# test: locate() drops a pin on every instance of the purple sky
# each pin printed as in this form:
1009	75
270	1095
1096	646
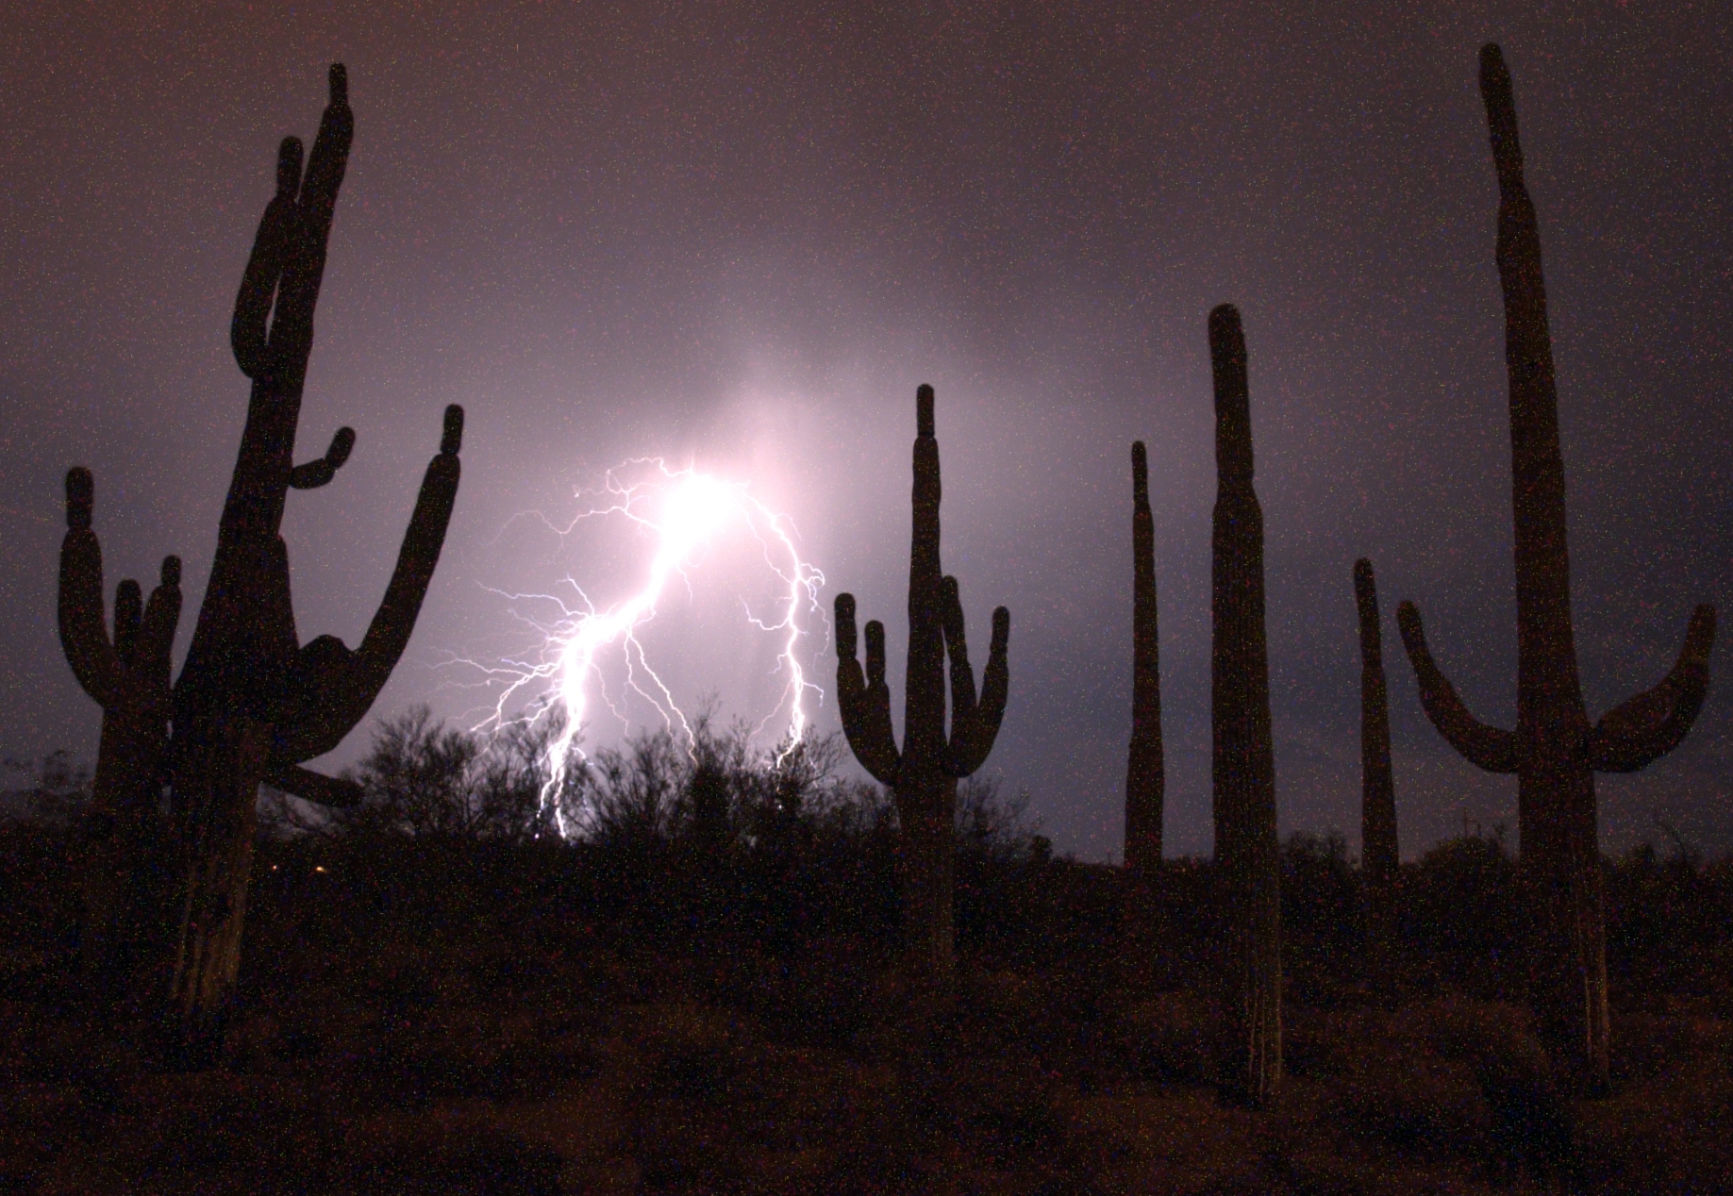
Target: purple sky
742	234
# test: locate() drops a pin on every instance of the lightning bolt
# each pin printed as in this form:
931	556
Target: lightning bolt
683	511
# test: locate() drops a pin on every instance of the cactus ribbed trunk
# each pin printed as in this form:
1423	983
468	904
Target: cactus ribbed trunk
1380	861
1243	756
922	788
923	775
218	785
1554	751
1145	778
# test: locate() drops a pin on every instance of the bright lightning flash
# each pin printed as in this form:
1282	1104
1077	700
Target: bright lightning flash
684	512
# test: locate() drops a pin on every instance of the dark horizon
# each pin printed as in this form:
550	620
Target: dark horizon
744	239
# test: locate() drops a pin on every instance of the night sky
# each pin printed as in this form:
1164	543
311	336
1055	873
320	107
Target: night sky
741	235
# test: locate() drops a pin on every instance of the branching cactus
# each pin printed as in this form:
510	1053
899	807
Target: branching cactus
923	775
251	703
1145	779
1379	860
128	676
1243	758
1554	751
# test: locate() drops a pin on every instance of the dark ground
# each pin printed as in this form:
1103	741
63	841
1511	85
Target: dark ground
460	1016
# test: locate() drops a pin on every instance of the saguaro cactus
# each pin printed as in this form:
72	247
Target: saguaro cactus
1554	751
1379	861
251	703
1145	780
128	676
923	775
1243	758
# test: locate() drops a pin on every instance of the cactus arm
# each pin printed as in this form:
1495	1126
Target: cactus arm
996	680
864	699
330	156
1634	735
974	721
1482	745
335	685
968	755
963	696
291	336
247	330
152	662
334	792
321	470
83	630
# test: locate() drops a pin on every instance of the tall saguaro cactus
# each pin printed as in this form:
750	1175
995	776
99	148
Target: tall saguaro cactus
1554	751
1243	757
923	775
128	676
1145	779
252	704
1379	859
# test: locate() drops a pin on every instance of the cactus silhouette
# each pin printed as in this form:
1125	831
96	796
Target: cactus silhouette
1379	858
128	676
251	704
1144	778
1243	756
1554	751
923	775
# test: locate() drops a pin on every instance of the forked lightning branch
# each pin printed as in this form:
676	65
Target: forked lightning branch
592	661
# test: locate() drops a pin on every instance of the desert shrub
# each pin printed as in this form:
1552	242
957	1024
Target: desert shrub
991	825
424	779
1452	1078
1668	921
1461	897
1321	917
1167	1038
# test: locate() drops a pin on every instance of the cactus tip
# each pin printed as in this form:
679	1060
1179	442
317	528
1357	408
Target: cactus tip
452	441
1362	574
1702	628
1499	98
1224	329
1408	623
171	571
342	444
1139	457
339	85
1495	88
924	411
845	626
1001	624
80	494
1492	65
